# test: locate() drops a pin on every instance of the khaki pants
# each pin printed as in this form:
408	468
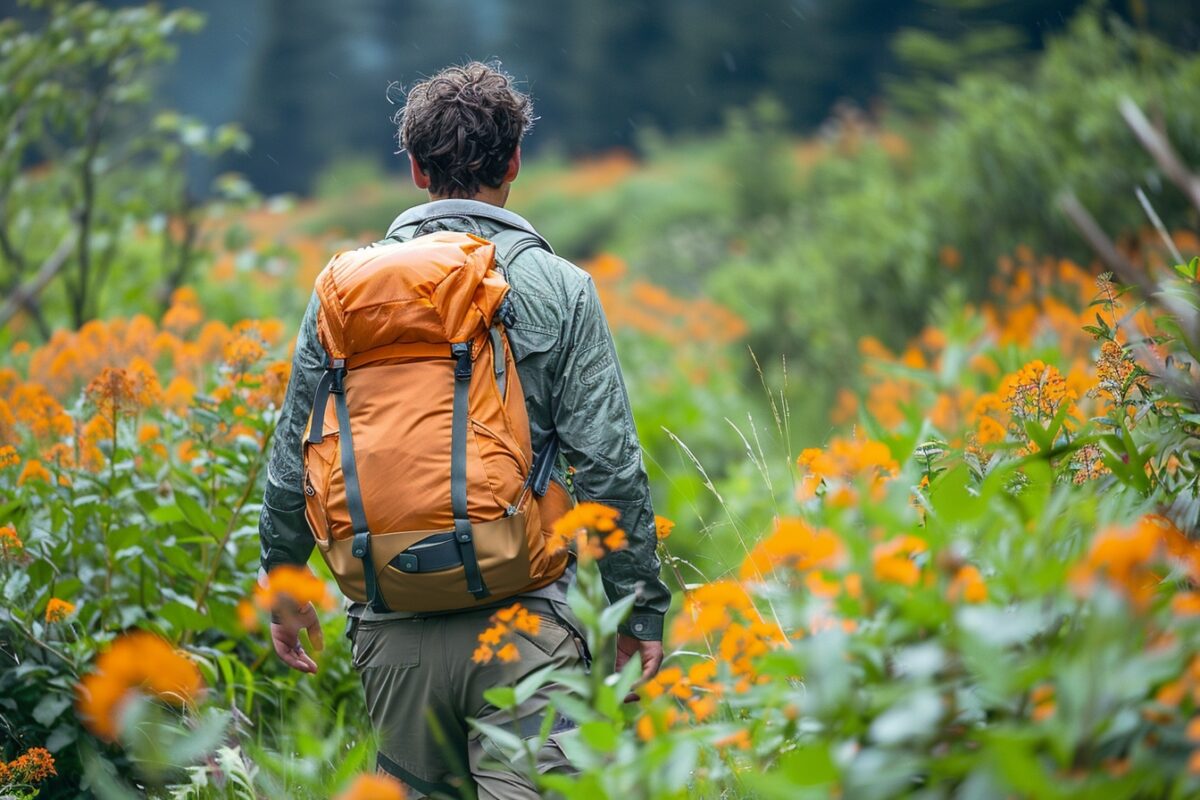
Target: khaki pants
421	687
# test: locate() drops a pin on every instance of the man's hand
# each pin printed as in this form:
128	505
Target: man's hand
285	635
652	658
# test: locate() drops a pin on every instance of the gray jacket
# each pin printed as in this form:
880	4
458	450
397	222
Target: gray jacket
573	388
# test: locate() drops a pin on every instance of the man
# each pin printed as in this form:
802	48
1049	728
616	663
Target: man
462	130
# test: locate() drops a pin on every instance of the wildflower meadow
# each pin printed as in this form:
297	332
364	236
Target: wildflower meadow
931	520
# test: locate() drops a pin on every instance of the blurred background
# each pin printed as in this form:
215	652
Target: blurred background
763	190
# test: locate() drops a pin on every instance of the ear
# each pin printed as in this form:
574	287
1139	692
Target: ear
514	166
419	178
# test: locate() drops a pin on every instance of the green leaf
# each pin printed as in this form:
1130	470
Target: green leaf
196	516
15	586
600	735
502	697
50	707
612	617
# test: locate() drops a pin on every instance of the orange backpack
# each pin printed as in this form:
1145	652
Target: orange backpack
421	486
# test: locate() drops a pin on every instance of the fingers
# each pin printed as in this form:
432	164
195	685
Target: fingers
316	636
290	651
652	658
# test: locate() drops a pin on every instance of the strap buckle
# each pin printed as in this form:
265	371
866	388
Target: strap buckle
462	351
507	315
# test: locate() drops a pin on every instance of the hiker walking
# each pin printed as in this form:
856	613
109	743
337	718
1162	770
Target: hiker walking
443	381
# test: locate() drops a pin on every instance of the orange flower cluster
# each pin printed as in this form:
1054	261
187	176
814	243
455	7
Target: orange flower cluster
33	766
34	472
116	363
1133	559
794	544
724	609
138	662
697	691
1177	691
663	527
288	586
373	787
496	641
10	543
841	467
1035	392
57	610
9	457
1043	702
967	586
651	310
892	560
591	528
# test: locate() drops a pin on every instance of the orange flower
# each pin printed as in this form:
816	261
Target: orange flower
663	527
795	544
373	787
8	457
247	615
843	464
1043	702
33	766
1186	604
504	623
292	586
10	543
739	739
892	560
138	662
33	471
1128	558
243	351
58	610
591	527
114	392
179	393
968	586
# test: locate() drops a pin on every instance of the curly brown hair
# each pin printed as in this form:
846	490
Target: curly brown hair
462	126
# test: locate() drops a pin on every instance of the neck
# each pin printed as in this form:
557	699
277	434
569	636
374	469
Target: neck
486	194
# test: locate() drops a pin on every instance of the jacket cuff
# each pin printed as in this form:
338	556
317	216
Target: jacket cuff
644	625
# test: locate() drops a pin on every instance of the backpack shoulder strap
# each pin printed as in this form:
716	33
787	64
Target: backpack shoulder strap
511	242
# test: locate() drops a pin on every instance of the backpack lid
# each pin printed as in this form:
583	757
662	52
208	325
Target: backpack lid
438	288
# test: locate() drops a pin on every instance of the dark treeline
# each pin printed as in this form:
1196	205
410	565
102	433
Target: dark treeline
310	79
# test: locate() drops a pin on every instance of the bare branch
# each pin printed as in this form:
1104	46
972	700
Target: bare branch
1160	150
24	295
1103	247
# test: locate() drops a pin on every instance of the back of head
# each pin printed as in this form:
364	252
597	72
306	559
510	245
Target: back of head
462	126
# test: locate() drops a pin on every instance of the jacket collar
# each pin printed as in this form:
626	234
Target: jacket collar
441	209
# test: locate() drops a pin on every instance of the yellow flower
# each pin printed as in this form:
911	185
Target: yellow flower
58	610
138	662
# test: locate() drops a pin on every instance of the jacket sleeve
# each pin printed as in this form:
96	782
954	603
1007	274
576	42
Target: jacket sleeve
282	529
595	427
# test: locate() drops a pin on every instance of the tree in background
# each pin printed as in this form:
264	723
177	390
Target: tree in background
87	184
